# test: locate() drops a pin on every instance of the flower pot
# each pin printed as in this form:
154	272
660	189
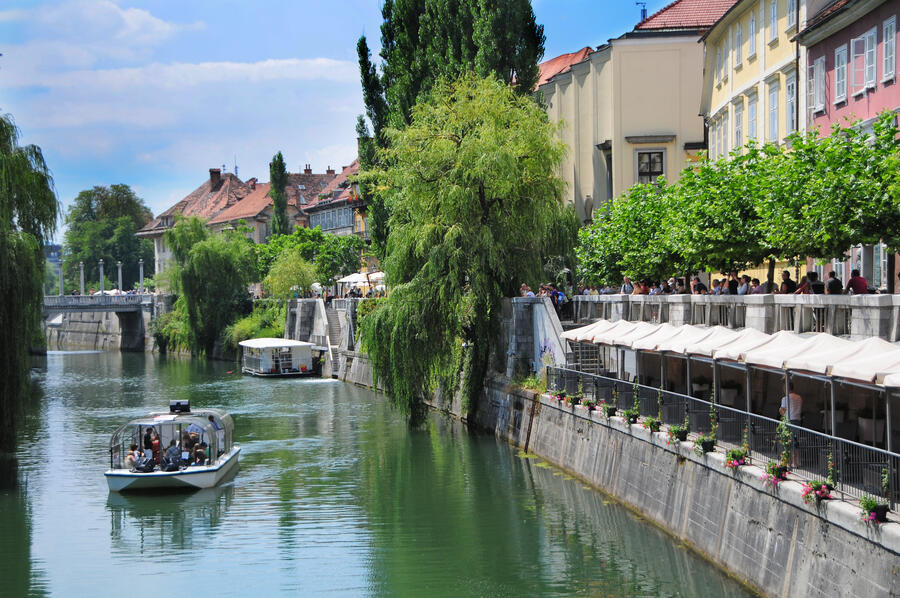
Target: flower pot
708	446
880	512
610	411
632	419
654	427
681	435
781	472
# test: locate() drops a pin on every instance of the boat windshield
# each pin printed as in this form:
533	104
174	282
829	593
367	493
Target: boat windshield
172	440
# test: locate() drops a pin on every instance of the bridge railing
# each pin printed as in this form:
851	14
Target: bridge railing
69	301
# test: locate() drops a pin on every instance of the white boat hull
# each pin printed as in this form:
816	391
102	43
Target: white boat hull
190	478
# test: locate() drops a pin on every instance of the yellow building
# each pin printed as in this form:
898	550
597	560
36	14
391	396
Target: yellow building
754	84
630	106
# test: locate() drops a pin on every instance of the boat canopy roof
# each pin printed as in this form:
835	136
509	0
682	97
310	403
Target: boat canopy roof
871	360
273	343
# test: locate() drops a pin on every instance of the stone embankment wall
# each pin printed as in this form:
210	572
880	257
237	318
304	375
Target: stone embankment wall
105	330
769	538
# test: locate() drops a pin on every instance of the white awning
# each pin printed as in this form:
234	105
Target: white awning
690	337
355	278
785	346
662	333
737	350
892	380
822	361
584	333
272	343
624	338
873	365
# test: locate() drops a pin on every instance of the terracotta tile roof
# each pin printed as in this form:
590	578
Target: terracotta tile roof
301	189
328	195
686	14
828	11
560	64
217	193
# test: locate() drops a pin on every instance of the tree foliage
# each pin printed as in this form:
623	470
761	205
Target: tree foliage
334	256
289	275
28	213
423	41
278	179
816	196
473	192
212	273
102	223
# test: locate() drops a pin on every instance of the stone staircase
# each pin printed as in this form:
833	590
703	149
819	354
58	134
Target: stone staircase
334	335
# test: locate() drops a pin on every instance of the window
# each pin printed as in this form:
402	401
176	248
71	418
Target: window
738	45
726	61
751	118
650	166
773	20
889	49
751	51
817	85
719	64
738	124
840	74
790	105
863	49
791	13
713	150
773	113
725	134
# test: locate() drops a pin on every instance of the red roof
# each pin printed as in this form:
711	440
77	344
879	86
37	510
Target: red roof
686	14
217	193
337	190
830	10
301	189
560	64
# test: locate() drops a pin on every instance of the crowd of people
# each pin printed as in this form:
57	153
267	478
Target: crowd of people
732	284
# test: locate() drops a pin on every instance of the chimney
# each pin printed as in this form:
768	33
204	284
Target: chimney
329	171
215	177
252	184
307	170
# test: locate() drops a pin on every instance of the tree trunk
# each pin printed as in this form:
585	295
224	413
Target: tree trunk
770	279
892	276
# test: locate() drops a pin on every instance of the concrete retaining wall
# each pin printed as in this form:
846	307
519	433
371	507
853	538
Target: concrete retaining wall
99	330
770	539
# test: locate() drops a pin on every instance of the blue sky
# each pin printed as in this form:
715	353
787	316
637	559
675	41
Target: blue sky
153	94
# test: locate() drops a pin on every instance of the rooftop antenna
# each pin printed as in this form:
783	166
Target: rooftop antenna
643	6
224	170
235	166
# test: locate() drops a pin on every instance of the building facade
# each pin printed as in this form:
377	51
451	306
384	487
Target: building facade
851	61
754	76
339	209
630	107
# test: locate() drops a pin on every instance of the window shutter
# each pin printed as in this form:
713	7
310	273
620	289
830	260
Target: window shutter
858	51
889	39
871	40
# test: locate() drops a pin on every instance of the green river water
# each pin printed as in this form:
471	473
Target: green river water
336	496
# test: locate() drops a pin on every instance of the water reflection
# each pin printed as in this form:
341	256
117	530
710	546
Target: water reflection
335	494
167	522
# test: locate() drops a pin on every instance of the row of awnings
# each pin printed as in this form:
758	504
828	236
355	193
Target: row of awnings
872	360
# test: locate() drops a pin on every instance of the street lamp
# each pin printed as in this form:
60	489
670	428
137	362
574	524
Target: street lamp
141	265
101	276
59	268
119	265
81	268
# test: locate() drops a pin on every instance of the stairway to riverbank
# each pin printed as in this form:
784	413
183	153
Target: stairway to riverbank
334	336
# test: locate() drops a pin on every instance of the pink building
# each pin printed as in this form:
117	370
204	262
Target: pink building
852	65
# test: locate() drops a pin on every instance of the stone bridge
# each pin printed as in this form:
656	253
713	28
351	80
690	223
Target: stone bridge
103	322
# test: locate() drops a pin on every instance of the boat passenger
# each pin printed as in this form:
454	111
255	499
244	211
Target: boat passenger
148	442
173	453
131	459
200	454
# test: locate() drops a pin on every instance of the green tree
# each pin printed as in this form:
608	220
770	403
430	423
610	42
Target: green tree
278	182
473	190
289	274
426	40
213	273
28	213
333	255
102	223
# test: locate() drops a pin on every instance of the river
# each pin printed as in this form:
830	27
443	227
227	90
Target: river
336	496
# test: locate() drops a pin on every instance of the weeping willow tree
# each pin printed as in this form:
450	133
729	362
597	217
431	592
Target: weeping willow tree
474	196
28	213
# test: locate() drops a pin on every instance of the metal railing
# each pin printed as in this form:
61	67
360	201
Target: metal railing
95	300
859	469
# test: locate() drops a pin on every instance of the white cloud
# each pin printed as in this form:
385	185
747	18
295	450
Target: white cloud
9	16
178	75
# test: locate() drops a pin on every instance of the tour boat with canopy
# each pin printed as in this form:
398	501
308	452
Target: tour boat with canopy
276	357
179	449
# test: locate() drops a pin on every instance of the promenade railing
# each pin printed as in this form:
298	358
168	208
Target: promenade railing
62	301
858	469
